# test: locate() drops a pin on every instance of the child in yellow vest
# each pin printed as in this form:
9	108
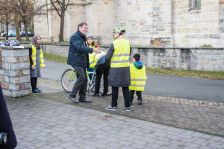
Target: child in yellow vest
138	78
37	63
97	61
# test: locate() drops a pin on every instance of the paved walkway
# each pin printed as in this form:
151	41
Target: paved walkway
158	85
202	116
46	124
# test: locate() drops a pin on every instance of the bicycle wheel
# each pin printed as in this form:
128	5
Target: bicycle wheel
68	80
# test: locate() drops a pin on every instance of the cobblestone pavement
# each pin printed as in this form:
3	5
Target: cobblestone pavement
202	116
46	124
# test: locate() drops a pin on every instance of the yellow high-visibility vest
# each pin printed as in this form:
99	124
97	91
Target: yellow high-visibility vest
138	78
92	63
121	53
34	57
92	58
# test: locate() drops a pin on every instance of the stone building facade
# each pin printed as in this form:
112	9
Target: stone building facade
169	23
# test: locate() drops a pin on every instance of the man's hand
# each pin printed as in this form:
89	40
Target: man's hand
95	50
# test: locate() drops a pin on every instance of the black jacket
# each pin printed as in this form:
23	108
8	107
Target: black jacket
6	124
78	51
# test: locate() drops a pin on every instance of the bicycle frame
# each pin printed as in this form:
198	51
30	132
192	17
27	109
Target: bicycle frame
91	80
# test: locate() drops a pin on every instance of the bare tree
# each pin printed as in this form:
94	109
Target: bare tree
25	10
60	6
6	14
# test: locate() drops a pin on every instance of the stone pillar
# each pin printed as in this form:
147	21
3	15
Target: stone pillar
15	72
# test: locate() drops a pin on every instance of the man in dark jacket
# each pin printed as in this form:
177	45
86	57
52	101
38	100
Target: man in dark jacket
78	58
6	124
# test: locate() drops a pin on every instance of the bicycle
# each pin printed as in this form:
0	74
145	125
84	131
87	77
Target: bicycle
69	78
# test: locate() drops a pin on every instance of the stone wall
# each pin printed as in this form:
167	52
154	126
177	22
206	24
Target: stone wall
186	58
221	18
170	21
61	50
15	72
196	27
101	19
47	24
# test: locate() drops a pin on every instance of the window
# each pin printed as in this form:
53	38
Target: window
194	5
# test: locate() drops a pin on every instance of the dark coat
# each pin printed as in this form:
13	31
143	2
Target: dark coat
6	124
118	77
78	51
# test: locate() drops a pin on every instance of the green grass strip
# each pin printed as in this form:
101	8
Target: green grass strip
56	58
213	75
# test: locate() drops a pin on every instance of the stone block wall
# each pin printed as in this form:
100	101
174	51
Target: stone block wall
101	19
186	59
170	21
47	24
194	28
221	16
207	59
61	50
15	72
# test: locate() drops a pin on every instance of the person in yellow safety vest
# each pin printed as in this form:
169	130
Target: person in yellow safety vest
91	44
37	62
97	61
119	76
138	78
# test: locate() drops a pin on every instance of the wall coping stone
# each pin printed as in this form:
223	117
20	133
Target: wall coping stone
141	47
15	47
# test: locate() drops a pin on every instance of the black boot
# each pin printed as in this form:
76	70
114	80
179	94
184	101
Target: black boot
139	101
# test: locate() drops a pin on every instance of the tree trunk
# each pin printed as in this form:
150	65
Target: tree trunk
61	34
7	30
17	28
26	29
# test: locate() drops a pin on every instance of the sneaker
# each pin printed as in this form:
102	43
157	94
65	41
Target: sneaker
73	99
139	102
35	91
85	100
128	109
110	108
39	90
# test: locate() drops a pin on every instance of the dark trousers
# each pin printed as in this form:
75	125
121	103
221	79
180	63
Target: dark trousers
33	83
138	93
6	124
126	96
102	69
81	83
